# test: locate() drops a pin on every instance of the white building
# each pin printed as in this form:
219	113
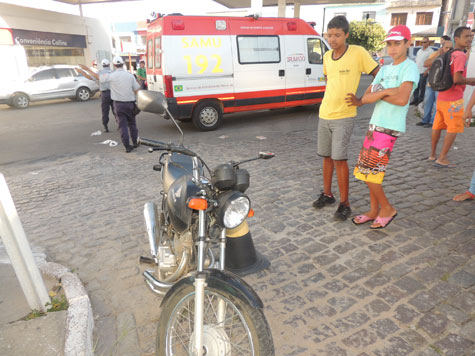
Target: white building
55	38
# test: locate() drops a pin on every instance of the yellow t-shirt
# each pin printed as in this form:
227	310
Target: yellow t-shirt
343	77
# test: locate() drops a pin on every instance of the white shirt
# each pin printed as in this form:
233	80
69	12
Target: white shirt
123	84
421	57
104	85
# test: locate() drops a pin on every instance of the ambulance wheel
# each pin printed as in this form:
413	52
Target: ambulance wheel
20	101
207	116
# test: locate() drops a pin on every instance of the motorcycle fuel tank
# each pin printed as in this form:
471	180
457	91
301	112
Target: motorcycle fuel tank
175	166
179	192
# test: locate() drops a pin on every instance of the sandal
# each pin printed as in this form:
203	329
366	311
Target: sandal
362	219
383	222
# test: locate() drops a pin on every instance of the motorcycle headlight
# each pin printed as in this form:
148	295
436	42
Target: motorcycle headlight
233	209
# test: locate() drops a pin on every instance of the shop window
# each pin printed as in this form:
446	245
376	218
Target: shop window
398	19
258	49
424	18
315	52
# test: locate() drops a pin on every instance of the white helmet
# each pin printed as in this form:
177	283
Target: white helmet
117	60
105	63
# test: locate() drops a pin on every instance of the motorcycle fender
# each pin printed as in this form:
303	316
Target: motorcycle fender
222	280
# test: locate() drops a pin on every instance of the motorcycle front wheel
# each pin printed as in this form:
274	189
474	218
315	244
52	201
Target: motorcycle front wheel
239	329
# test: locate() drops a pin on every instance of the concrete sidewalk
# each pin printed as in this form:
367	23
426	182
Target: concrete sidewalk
333	288
42	336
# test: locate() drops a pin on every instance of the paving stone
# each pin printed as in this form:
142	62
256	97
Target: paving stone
384	327
335	286
454	345
395	346
408	284
433	324
322	333
464	301
463	279
341	303
468	331
336	269
391	294
356	275
320	311
444	290
360	339
405	314
359	292
453	314
325	259
350	322
424	301
376	281
376	307
414	338
397	271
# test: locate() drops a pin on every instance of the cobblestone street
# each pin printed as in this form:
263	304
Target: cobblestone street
332	289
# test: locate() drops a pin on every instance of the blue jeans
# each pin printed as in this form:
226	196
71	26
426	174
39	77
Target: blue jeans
472	184
429	105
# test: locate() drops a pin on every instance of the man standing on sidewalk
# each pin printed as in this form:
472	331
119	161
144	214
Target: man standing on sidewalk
449	114
421	57
342	67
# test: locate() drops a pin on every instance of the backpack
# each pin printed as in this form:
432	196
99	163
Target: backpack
440	77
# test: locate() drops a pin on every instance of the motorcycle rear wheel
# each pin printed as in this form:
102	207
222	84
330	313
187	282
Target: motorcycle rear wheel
245	330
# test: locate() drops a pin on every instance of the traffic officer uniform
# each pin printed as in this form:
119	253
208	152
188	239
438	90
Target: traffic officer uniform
123	86
106	100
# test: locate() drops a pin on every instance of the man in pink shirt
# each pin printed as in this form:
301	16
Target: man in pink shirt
449	111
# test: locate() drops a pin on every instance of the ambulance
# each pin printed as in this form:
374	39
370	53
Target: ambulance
207	66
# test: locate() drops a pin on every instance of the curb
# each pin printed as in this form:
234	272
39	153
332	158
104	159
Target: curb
79	320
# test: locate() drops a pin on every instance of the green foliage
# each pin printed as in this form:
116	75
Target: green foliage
34	314
368	34
57	304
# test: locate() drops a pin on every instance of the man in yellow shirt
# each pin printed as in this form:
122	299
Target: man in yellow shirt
342	67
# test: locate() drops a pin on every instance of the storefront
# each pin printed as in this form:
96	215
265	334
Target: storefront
43	48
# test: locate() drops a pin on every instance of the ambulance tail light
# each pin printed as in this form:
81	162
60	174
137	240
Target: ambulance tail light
168	85
292	26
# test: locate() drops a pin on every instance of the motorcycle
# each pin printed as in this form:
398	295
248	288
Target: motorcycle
206	309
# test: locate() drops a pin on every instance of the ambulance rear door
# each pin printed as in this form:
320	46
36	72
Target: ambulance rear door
314	78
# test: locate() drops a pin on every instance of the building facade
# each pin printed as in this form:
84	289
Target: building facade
129	41
55	38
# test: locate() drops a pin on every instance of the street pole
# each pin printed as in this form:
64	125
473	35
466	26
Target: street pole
19	251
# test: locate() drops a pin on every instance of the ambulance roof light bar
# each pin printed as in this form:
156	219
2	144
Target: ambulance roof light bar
292	26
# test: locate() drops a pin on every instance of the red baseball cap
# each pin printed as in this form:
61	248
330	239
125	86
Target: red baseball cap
398	33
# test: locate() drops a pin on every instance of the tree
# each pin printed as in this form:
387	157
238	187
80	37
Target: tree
368	34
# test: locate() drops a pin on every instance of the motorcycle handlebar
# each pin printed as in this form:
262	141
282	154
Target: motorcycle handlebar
161	146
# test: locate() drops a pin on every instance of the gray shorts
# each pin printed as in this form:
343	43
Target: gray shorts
334	138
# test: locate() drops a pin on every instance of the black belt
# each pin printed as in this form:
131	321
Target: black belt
125	102
105	90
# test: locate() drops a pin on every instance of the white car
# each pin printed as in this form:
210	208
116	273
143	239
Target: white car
45	83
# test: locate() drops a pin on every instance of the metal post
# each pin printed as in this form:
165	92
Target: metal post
282	4
19	251
297	9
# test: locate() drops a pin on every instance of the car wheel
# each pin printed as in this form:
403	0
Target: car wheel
207	116
20	101
83	94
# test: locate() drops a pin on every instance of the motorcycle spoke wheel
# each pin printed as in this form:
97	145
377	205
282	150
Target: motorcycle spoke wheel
236	330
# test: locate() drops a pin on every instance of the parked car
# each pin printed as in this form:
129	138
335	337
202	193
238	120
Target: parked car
45	83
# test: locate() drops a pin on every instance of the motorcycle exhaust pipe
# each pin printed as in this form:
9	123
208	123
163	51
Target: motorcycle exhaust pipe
155	285
150	214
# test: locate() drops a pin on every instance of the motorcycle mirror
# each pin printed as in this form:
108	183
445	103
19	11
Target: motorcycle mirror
266	155
152	101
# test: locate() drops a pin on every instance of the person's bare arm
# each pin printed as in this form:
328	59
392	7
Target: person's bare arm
369	97
401	96
467	114
352	100
88	73
460	79
428	62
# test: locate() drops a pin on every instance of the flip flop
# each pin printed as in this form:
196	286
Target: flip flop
384	222
440	165
431	159
362	219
